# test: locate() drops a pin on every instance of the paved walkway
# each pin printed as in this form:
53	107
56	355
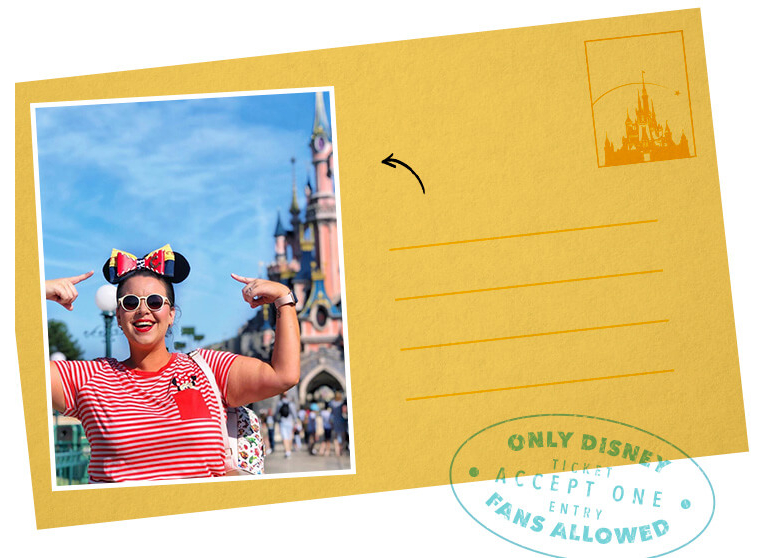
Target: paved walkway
301	461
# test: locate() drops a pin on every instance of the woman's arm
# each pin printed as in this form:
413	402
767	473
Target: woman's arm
57	389
250	379
64	292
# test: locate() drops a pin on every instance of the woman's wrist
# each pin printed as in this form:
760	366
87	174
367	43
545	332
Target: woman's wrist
287	299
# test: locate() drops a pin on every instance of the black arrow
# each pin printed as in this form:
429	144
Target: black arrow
389	161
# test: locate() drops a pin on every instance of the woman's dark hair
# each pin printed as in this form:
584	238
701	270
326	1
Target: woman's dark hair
147	273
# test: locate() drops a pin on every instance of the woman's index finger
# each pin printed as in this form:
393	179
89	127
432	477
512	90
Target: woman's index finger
240	278
77	278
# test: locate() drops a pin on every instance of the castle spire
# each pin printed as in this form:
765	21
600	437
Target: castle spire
295	202
321	206
279	229
645	95
320	127
280	238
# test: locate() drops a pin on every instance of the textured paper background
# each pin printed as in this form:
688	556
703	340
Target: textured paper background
498	126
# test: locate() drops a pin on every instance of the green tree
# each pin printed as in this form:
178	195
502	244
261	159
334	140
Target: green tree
60	340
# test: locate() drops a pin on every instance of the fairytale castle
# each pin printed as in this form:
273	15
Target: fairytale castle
307	260
645	139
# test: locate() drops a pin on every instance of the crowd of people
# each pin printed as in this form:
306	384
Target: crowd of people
318	426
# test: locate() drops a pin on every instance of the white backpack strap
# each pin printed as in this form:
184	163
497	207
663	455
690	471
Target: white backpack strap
200	361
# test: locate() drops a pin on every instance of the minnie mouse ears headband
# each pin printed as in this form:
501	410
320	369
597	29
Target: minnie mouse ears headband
163	261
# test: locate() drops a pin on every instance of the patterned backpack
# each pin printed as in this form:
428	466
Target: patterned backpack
241	432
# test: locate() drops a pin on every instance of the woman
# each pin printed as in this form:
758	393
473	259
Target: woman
310	428
325	415
270	421
287	417
339	426
154	415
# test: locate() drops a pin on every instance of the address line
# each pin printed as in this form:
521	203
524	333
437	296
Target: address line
520	235
559	281
539	385
540	334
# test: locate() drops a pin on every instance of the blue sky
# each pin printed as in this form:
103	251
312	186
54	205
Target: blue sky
207	176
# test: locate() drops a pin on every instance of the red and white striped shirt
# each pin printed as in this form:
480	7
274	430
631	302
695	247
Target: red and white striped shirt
149	425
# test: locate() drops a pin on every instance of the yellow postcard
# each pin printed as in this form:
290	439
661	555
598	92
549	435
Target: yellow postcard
530	226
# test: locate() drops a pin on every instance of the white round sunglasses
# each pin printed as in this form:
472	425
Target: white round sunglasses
154	302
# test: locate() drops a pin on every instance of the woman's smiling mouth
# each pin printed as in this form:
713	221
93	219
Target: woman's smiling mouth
142	326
